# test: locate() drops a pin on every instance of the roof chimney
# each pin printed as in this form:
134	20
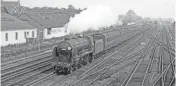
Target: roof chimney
19	3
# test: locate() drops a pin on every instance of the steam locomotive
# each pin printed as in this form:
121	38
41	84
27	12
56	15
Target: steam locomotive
73	53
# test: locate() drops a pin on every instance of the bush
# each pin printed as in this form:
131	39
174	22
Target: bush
17	49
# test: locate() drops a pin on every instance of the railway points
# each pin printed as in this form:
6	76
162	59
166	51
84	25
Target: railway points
107	53
88	44
145	57
83	74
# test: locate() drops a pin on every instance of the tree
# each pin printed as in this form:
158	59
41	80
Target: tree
71	7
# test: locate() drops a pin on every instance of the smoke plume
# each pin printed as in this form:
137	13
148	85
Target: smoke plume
92	18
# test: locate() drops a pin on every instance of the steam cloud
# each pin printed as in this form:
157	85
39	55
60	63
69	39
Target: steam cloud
92	18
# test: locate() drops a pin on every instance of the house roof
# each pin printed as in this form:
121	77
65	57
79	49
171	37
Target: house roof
44	9
9	22
10	3
3	10
49	19
12	6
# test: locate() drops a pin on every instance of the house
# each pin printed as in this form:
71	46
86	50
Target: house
15	31
13	7
48	23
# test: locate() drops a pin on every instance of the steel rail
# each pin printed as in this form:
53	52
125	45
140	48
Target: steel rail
164	46
117	61
129	76
28	61
27	77
41	79
149	64
82	76
24	71
172	81
15	71
162	61
163	73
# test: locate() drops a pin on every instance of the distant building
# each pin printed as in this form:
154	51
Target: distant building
15	31
48	23
13	7
129	18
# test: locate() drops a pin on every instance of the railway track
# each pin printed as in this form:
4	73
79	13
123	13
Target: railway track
41	75
27	78
24	71
167	59
99	68
171	33
20	68
21	62
164	46
164	63
85	73
171	38
127	58
140	65
171	57
151	62
165	71
50	74
163	76
137	74
49	80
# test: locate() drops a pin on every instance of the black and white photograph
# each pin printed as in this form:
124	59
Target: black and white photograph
88	42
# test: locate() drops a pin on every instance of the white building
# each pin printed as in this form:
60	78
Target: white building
15	31
54	32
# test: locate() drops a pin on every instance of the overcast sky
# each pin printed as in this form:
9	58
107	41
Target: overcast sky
144	8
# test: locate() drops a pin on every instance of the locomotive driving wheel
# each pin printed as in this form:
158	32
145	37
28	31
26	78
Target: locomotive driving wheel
71	70
85	60
79	66
57	72
54	67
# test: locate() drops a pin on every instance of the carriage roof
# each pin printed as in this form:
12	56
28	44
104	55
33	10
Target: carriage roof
107	34
110	33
